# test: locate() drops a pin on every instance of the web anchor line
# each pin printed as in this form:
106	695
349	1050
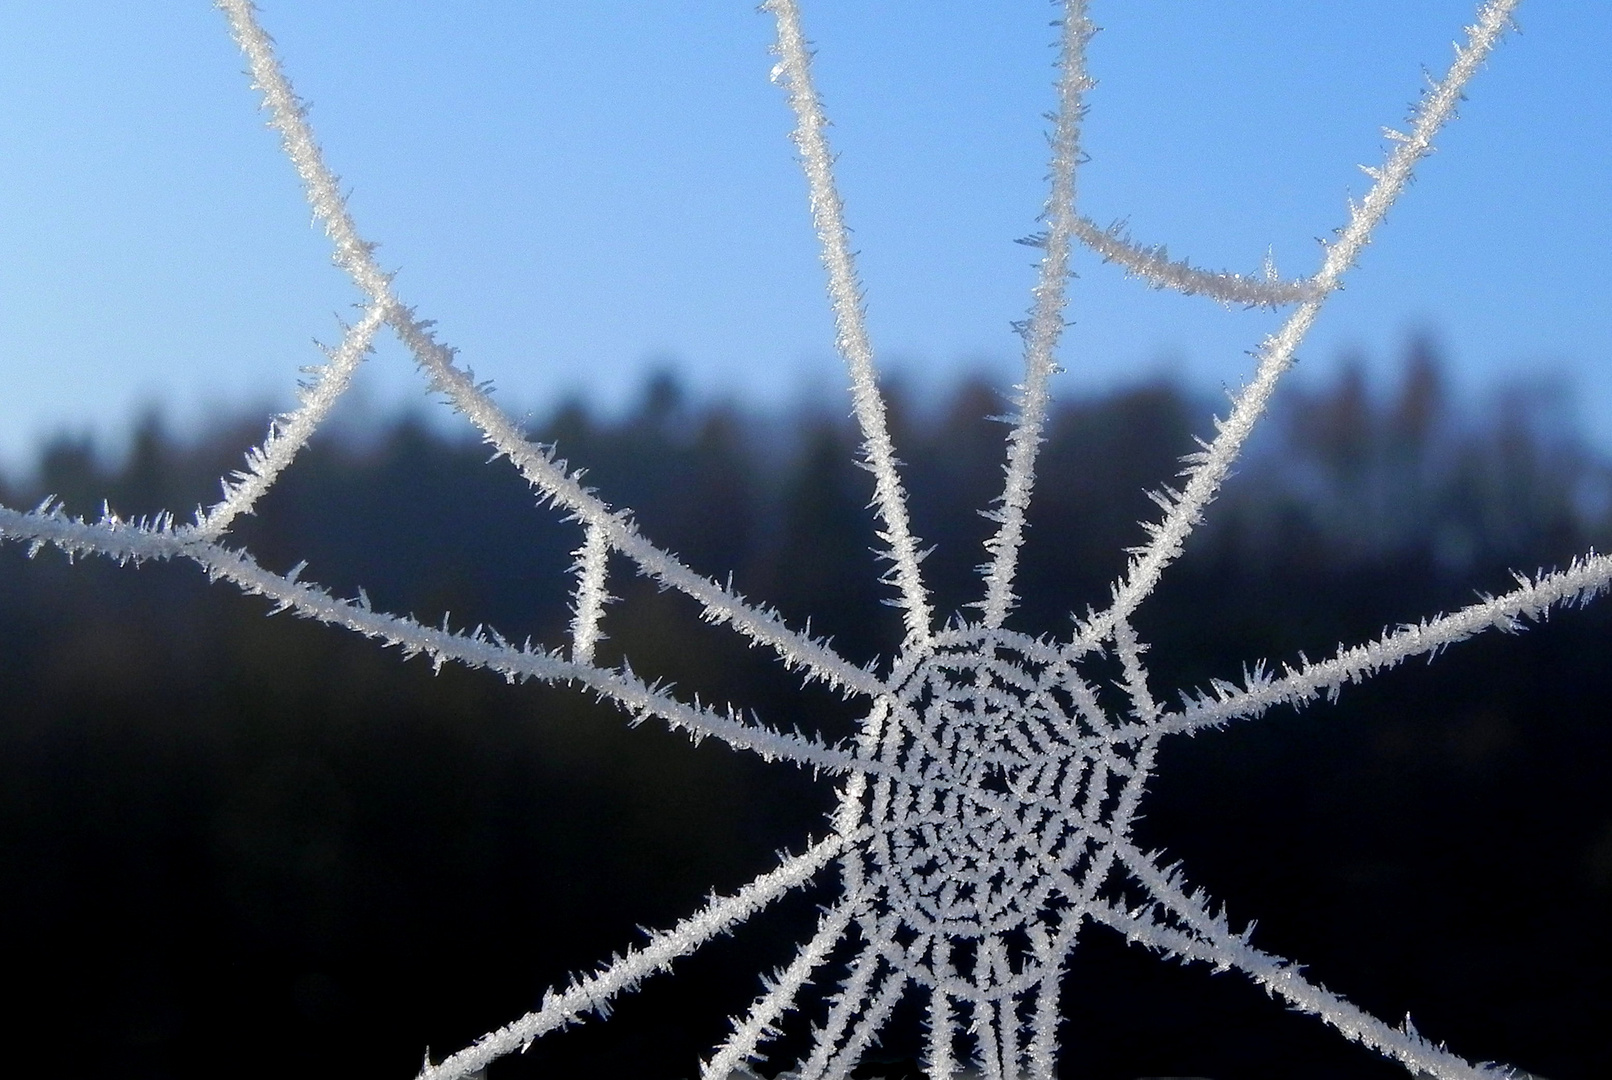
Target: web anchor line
1207	470
1154	266
138	542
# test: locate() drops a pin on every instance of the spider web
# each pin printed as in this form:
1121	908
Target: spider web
985	806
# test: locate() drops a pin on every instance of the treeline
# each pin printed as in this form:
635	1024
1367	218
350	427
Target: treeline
234	844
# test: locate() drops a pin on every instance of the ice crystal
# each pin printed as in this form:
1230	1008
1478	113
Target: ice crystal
986	806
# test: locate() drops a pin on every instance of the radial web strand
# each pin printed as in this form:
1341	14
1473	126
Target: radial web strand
1209	938
290	433
592	993
1584	579
782	992
1045	324
845	1004
845	293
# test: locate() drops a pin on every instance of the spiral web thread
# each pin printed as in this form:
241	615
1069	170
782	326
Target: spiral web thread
985	807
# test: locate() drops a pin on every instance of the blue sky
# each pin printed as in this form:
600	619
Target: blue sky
581	192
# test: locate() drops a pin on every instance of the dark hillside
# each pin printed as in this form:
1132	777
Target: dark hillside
248	846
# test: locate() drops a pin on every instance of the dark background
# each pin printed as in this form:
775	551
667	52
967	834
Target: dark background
238	845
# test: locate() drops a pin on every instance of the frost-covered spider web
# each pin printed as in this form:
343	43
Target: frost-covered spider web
986	805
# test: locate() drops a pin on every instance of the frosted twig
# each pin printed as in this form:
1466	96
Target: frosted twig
740	1048
592	993
1154	265
593	559
1046	320
288	434
793	72
355	256
1584	579
1207	470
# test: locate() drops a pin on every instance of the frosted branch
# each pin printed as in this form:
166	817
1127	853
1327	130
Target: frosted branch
355	256
793	72
593	993
1046	320
1154	266
290	433
1261	691
1207	470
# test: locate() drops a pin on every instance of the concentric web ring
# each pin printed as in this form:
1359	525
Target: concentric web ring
1014	782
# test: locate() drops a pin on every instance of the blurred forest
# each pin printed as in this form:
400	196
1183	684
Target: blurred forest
248	846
